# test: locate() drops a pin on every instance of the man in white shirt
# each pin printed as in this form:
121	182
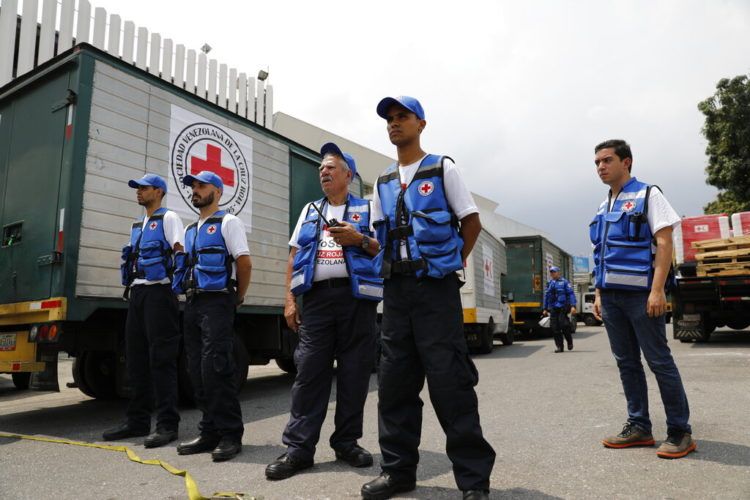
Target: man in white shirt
417	205
214	274
331	270
152	335
632	238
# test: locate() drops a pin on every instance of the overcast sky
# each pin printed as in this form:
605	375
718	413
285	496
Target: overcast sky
518	93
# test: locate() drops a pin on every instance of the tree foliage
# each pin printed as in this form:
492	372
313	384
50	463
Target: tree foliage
727	130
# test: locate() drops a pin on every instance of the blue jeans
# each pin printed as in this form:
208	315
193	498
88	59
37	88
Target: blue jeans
631	331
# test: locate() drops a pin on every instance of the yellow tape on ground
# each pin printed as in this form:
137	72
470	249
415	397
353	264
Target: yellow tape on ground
190	486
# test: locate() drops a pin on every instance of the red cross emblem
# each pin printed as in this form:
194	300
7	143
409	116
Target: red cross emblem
211	229
153	225
628	206
356	217
212	163
426	188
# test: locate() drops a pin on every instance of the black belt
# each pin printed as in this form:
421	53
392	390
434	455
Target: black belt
331	283
407	267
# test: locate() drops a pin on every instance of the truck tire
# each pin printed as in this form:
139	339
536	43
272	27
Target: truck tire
486	335
94	373
508	337
590	320
738	324
21	380
287	364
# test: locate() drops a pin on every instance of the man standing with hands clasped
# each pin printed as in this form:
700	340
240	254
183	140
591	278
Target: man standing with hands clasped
417	205
331	269
214	273
632	238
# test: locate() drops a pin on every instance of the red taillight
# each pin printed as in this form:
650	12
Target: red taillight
43	333
51	304
53	331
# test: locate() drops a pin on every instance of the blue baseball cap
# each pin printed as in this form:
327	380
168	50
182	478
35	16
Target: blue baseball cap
149	180
332	149
206	177
554	269
405	101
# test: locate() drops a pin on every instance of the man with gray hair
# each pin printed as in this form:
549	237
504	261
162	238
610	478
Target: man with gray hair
331	270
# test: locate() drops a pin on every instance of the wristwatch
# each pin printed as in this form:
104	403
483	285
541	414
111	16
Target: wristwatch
365	242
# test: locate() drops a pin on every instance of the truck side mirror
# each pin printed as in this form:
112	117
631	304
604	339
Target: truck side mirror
506	297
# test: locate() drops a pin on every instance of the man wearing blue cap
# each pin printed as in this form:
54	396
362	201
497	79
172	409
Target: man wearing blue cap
417	205
331	270
152	334
559	303
214	274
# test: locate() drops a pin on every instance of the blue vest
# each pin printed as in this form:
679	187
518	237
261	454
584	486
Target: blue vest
559	294
149	254
420	215
363	274
206	265
622	240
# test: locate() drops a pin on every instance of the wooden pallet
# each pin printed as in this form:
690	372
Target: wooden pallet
723	269
725	251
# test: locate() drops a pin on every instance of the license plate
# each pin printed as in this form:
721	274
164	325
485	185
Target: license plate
7	341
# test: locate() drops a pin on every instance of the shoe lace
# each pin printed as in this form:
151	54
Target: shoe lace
627	430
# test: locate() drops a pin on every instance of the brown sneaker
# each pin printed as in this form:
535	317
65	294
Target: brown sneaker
677	445
631	435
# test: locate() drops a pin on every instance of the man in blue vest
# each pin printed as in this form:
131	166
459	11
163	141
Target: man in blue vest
417	205
331	269
214	274
632	238
559	303
152	334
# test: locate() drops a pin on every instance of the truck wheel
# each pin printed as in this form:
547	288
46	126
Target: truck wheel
738	324
94	372
21	380
590	320
486	334
508	337
287	364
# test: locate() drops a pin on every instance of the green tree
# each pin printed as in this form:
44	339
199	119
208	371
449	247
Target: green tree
727	129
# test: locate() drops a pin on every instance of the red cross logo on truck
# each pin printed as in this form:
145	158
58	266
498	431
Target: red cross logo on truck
426	188
628	206
212	163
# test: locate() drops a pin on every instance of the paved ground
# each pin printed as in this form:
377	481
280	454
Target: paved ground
544	413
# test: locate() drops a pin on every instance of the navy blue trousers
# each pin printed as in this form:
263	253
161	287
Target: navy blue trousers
335	326
423	337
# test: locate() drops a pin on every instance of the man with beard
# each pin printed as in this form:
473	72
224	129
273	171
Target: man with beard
331	269
152	334
214	273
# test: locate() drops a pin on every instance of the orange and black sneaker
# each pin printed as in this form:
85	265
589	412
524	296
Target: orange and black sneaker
631	435
677	445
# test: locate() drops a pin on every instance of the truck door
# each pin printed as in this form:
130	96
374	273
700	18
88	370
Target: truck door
31	144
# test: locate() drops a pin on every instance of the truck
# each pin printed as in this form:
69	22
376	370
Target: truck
713	291
485	308
529	258
73	131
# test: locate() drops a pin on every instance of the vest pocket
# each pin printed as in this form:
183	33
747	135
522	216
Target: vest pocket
180	267
431	227
437	249
308	232
370	289
151	250
126	264
635	277
594	229
211	277
213	256
301	280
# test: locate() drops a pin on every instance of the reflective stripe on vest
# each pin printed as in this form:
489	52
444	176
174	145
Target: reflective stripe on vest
363	274
420	215
622	239
209	265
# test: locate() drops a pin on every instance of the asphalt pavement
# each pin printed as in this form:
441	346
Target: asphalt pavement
544	413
